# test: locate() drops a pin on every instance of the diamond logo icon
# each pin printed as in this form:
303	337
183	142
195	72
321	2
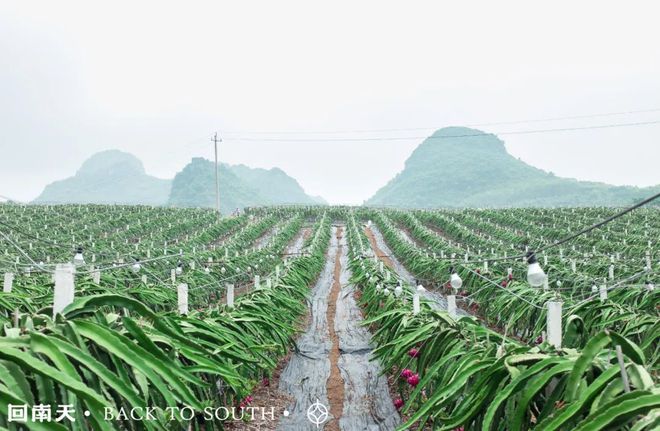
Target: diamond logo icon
317	413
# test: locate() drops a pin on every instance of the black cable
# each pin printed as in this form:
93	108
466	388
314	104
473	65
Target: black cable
603	222
403	129
467	135
36	238
570	237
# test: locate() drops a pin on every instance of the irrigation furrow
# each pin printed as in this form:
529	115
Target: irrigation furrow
264	239
335	383
296	246
367	402
381	249
383	252
331	363
307	372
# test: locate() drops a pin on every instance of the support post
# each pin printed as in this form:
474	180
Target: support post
8	282
182	298
230	295
96	276
451	305
553	325
64	287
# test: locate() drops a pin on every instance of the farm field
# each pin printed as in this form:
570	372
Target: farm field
475	319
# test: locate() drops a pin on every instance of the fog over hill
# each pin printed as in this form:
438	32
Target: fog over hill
108	177
116	177
463	167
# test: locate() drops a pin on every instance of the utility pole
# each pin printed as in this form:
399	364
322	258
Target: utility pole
217	186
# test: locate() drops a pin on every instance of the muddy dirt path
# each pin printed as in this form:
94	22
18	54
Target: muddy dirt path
384	253
381	249
335	384
265	238
306	374
331	363
367	401
295	248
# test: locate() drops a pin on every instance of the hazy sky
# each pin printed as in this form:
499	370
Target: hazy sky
158	80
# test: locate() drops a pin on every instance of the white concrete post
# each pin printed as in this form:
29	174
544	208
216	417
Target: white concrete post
553	325
182	298
9	281
416	307
96	276
64	286
451	305
230	295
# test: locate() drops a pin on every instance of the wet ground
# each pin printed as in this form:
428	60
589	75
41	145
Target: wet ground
382	250
331	363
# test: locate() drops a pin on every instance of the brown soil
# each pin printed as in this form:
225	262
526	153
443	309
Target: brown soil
475	311
305	232
266	397
222	238
265	236
440	232
409	234
240	290
391	375
379	253
335	384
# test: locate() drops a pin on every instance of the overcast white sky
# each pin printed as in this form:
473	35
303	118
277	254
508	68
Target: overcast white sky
157	80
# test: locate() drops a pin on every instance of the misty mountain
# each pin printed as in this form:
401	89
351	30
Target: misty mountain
455	168
108	177
275	185
194	187
240	186
116	177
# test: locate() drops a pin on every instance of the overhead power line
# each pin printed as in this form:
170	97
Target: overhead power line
601	223
34	237
404	129
465	135
568	238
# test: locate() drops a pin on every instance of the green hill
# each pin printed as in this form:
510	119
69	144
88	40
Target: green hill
194	187
273	183
455	168
115	177
108	177
240	186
